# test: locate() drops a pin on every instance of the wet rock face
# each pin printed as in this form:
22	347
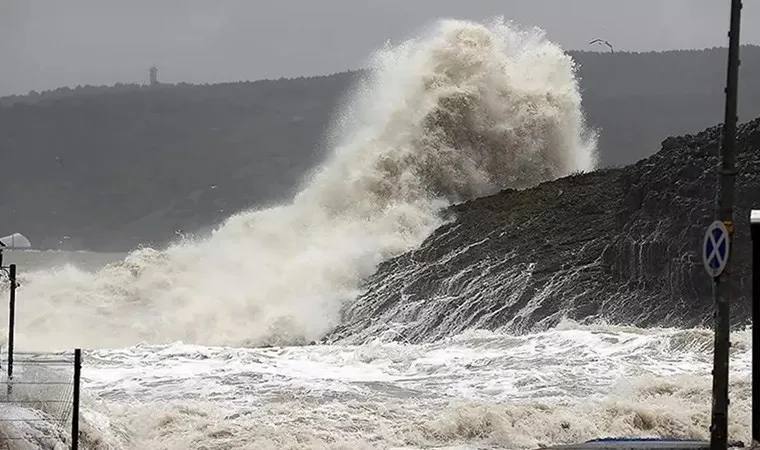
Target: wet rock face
619	244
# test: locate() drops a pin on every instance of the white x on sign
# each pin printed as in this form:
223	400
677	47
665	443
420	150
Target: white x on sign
715	249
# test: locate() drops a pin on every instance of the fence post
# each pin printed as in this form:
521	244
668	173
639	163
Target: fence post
754	226
75	406
11	324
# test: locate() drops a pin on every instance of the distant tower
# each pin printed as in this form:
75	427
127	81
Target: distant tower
153	76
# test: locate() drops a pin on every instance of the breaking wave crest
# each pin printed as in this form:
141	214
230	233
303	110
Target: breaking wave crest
462	111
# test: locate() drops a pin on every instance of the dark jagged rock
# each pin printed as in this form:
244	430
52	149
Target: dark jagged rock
618	244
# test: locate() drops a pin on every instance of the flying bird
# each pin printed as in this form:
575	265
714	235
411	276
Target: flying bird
602	41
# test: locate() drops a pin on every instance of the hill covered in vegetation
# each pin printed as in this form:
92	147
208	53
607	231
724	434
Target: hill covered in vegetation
108	168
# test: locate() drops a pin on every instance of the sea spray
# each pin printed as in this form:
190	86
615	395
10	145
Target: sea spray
462	111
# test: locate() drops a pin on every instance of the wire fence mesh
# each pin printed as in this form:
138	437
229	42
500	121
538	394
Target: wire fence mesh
36	403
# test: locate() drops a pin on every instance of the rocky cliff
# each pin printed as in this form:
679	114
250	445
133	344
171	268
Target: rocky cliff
621	245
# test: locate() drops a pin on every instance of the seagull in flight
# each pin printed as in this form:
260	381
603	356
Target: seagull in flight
602	41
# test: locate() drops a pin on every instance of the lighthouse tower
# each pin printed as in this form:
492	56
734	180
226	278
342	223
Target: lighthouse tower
153	76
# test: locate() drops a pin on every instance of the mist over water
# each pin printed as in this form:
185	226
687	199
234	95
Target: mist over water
462	111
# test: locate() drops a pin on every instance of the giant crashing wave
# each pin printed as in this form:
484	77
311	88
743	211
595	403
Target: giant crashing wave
617	245
462	111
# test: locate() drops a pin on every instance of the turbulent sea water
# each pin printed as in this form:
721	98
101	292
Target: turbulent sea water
204	345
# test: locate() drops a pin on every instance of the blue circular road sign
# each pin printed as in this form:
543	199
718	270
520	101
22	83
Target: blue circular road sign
715	248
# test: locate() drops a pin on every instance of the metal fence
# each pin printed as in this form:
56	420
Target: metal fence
39	404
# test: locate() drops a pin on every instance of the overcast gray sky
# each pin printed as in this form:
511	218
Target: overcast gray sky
49	43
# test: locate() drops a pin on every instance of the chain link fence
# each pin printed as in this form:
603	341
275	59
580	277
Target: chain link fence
39	405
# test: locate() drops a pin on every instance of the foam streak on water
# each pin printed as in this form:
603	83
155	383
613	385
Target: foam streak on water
462	111
478	390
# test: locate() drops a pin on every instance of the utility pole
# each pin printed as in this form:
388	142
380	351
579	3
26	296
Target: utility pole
724	213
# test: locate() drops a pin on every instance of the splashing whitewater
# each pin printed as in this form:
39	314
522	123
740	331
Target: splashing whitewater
462	111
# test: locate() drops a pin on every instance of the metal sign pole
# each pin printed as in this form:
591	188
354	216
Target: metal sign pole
724	211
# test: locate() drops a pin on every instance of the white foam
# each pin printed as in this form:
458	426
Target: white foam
462	111
480	390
